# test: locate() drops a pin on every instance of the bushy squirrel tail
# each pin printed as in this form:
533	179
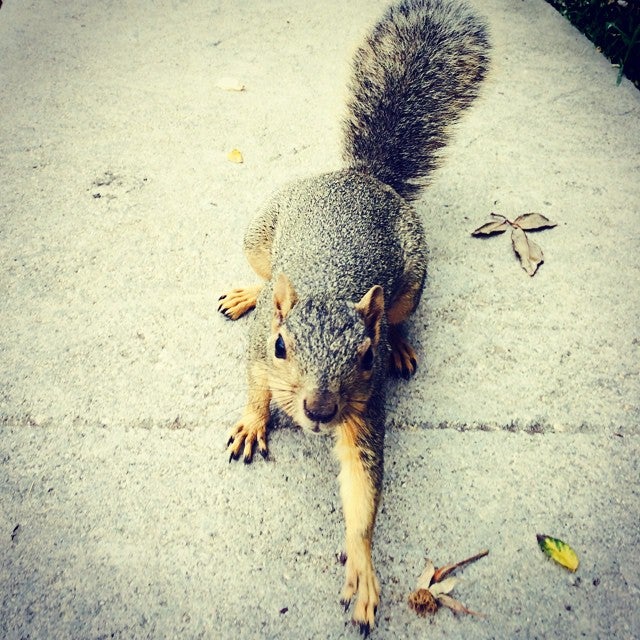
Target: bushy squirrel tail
419	68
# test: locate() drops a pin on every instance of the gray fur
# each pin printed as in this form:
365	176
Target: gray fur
335	236
416	72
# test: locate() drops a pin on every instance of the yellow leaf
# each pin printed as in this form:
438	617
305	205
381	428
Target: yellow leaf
235	155
559	551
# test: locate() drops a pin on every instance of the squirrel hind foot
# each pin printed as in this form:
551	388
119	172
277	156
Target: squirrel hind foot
403	361
361	582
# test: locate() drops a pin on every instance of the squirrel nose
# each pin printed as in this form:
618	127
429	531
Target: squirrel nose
320	406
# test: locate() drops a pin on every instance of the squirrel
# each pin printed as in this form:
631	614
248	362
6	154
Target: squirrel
342	259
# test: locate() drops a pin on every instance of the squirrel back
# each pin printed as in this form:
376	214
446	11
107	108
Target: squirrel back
420	66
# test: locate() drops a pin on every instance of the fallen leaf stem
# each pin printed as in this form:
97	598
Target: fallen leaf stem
445	570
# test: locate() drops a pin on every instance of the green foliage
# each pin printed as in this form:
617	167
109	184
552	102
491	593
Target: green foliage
613	26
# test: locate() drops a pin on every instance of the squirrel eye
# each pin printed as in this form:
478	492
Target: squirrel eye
281	350
367	360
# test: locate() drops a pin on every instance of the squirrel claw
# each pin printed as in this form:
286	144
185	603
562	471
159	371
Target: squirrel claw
237	302
365	629
403	358
233	449
224	312
409	368
244	437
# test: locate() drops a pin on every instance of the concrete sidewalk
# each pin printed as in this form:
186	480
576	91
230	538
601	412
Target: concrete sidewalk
121	220
135	533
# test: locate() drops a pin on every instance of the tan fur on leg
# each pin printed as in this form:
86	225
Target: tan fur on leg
360	499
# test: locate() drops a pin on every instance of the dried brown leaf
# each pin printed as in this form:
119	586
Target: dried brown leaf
423	602
533	222
444	571
529	253
491	228
456	606
444	586
433	588
426	577
535	253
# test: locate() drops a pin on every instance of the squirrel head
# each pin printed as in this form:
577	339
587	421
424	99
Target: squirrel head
325	355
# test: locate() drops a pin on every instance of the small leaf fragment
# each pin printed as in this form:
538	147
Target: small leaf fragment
230	84
235	156
491	228
534	222
443	572
426	577
559	551
529	253
444	586
456	606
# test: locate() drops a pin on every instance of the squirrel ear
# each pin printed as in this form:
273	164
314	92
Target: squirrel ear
284	296
371	308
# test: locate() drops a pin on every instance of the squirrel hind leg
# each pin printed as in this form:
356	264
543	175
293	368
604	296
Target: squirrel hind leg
258	239
360	485
237	302
259	259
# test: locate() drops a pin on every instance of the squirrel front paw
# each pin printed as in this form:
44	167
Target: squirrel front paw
361	580
250	430
237	302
